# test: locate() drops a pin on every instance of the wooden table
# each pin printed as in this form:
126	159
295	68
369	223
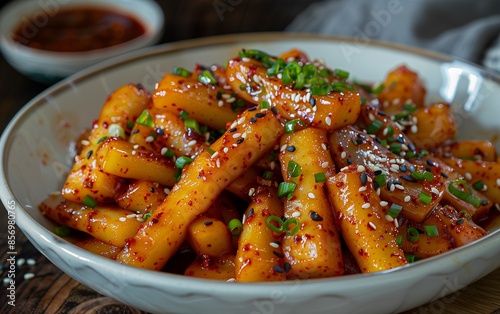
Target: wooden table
52	291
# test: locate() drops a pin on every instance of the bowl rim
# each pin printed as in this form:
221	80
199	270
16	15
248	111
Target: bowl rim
206	285
154	28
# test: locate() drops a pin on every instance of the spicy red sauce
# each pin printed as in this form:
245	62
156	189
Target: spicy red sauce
77	29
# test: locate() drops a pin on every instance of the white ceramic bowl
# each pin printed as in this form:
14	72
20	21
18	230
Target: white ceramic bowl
47	66
35	158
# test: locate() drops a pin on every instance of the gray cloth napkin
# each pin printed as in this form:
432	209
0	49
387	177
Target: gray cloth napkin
467	29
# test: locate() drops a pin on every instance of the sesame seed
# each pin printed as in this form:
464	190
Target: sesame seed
498	181
399	187
407	198
251	192
361	168
383	203
217	163
166	191
343	155
274	244
231	280
134	152
122	219
328	121
225	150
245	59
435	191
256	79
296	214
150	139
6	281
85	142
414	129
323	145
236	135
241	120
372	225
131	215
371	117
191	143
324	165
365	205
389	218
31	261
20	262
283	147
28	276
396	223
311	195
220	103
362	189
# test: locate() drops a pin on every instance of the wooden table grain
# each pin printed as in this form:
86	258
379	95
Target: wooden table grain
52	291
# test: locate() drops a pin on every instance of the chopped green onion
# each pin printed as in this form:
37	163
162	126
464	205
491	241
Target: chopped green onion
147	215
341	73
181	71
183	115
412	234
290	125
287	223
102	139
182	161
257	55
207	77
169	153
425	198
235	227
276	67
380	179
374	127
377	89
428	176
399	240
210	151
320	88
89	201
395	148
463	195
145	119
464	213
130	125
264	105
431	231
294	169
154	135
319	177
192	124
62	231
268	175
286	189
278	220
411	258
394	210
478	185
177	175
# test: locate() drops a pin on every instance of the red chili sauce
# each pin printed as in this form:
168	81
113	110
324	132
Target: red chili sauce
77	29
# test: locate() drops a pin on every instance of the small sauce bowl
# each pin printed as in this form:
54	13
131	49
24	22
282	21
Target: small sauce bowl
50	40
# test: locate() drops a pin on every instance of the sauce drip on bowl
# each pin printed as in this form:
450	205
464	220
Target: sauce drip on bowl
77	29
